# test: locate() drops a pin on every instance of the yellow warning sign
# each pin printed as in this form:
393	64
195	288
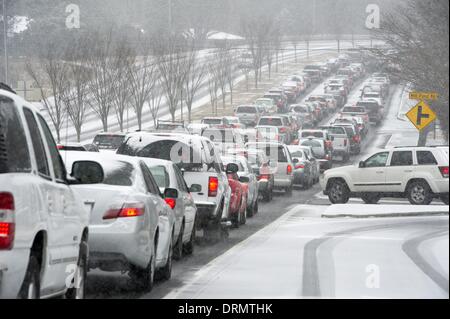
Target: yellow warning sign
421	115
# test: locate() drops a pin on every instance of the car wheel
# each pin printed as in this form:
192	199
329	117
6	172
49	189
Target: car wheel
267	197
178	249
346	157
370	198
188	248
79	289
338	192
289	190
144	279
31	288
256	208
213	232
419	193
444	199
243	220
165	273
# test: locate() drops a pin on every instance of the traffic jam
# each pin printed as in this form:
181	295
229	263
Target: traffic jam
315	188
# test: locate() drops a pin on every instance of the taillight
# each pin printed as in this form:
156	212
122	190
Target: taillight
7	226
126	211
60	147
299	166
289	169
444	171
283	130
356	139
328	157
172	202
213	186
263	177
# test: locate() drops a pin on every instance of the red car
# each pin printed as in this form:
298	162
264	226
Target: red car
239	194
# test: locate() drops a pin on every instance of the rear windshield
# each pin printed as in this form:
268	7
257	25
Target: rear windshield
315	134
246	109
212	121
270	121
337	130
264	102
311	143
14	156
112	142
118	173
297	154
300	109
219	136
181	154
354	110
161	176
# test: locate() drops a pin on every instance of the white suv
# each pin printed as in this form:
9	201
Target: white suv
43	226
417	173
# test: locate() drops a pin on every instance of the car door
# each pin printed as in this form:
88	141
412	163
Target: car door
189	208
372	176
399	170
53	272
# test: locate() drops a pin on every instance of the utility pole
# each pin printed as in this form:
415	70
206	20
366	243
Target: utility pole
5	39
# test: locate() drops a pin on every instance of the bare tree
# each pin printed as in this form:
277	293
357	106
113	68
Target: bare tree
143	76
122	64
195	73
154	101
102	86
171	61
74	97
50	77
213	85
418	33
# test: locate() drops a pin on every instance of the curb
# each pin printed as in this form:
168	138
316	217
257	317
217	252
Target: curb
390	215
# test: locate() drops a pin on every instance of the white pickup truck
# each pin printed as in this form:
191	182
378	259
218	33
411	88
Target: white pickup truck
340	141
203	171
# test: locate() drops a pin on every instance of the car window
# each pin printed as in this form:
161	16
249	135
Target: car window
38	144
378	160
105	142
426	158
402	158
150	182
58	164
161	176
180	180
269	121
14	154
246	109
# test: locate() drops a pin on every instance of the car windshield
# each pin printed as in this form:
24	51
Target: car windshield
267	102
105	142
246	109
315	134
271	121
212	121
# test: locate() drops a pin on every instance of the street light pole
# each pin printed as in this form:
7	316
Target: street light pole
5	40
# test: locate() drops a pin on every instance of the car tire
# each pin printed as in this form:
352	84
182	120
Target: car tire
213	232
31	286
178	249
144	279
188	248
419	193
338	192
267	197
346	158
370	199
289	191
165	273
79	291
243	220
444	199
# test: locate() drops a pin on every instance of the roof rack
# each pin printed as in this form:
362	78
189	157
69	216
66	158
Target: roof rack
415	146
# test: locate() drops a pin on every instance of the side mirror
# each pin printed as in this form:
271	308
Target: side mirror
171	193
244	179
232	168
195	188
362	164
86	173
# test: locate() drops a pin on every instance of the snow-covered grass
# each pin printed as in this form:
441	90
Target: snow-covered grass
366	211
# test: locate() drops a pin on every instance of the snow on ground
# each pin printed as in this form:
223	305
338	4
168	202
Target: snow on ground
363	210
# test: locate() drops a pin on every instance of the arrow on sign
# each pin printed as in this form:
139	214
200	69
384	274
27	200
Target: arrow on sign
421	115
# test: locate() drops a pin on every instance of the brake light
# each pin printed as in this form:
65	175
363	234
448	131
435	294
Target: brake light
7	225
289	169
213	186
356	138
263	177
126	211
299	166
444	171
171	202
283	130
60	147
